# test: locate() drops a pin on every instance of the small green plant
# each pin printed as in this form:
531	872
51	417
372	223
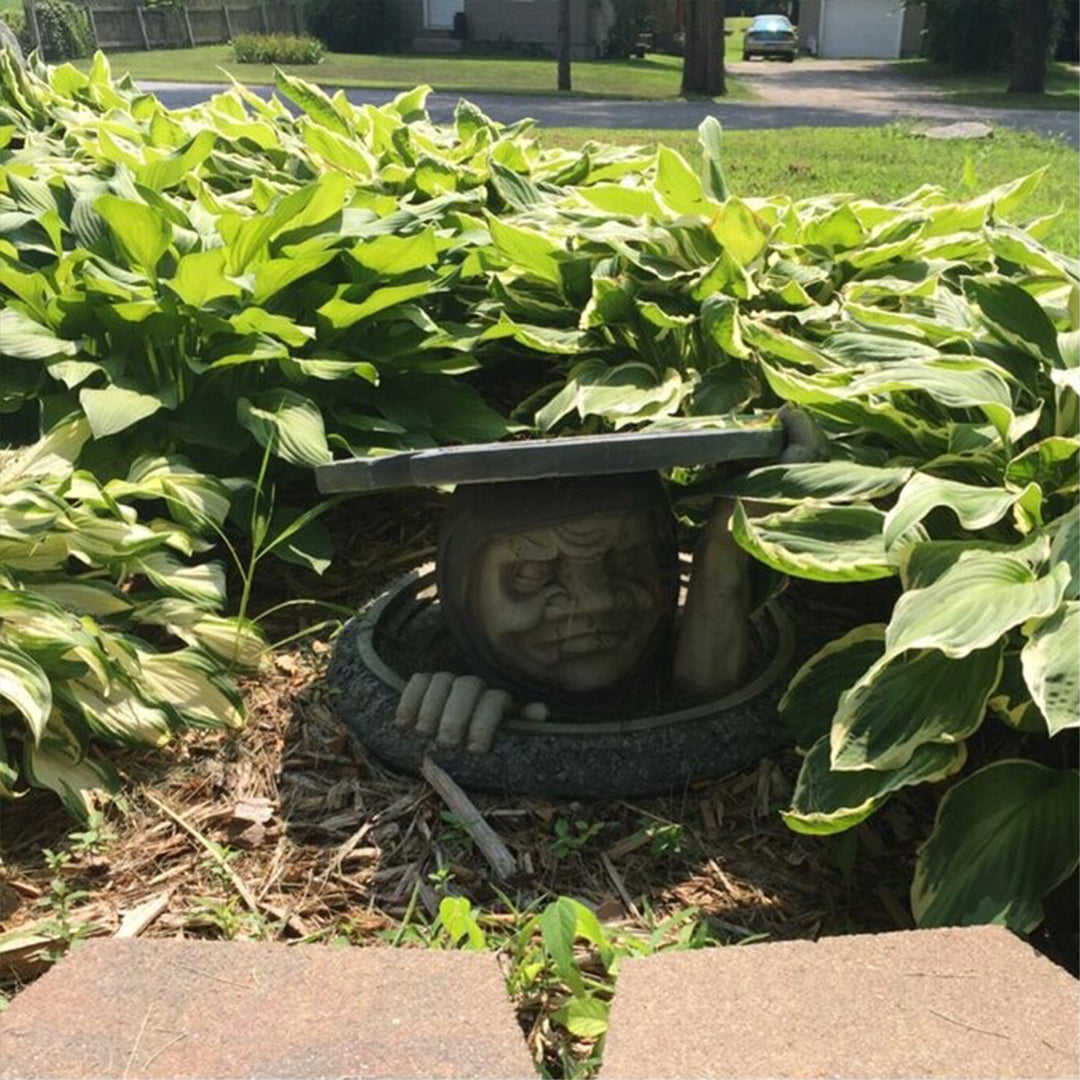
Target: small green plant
231	921
59	901
665	840
276	49
570	838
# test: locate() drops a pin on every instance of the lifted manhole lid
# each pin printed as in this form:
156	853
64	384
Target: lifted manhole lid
537	459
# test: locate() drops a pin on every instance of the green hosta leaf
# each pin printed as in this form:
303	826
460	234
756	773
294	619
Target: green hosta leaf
235	640
975	602
813	695
622	201
1015	316
190	684
115	408
274	275
26	687
51	457
1053	464
142	232
976	507
344	313
906	700
390	255
1051	665
839	229
740	230
255	320
120	715
710	136
823	481
678	185
828	801
58	764
1065	548
203	583
921	564
289	423
526	250
1003	838
194	499
23	339
585	1017
313	100
819	542
98	598
720	320
200	278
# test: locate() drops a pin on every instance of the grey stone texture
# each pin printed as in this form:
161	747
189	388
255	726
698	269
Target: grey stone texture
965	129
963	1002
140	1009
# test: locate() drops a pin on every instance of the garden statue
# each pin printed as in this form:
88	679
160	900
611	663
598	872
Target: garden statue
559	582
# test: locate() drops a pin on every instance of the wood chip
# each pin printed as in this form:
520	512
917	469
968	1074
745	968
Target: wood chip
135	920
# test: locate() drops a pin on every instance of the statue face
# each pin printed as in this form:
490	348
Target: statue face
573	605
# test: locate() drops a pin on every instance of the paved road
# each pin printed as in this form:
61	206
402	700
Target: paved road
816	93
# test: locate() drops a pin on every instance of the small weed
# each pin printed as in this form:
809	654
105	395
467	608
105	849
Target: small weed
229	919
570	839
665	840
59	901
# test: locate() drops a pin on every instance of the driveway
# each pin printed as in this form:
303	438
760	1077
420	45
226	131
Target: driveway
808	93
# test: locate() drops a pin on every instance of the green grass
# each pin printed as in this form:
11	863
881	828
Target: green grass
877	163
989	90
656	77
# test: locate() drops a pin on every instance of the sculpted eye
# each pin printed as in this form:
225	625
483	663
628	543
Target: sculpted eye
530	575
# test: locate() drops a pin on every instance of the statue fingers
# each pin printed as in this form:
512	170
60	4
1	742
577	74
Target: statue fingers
411	697
458	710
536	711
490	711
431	707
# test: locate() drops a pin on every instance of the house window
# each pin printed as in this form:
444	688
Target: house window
439	14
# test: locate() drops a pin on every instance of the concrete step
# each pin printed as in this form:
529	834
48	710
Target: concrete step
436	45
184	1009
970	1002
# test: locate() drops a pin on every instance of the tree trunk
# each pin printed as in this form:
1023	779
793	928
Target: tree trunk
563	33
1031	27
703	50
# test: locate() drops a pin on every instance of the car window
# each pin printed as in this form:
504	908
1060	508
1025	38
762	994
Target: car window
770	22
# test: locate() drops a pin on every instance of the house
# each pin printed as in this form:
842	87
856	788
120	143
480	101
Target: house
878	29
515	25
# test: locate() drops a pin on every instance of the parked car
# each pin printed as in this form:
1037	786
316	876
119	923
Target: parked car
770	36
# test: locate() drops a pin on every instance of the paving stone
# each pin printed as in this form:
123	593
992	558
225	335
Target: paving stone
140	1009
970	1002
964	129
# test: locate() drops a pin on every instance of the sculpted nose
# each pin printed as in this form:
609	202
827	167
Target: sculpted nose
587	587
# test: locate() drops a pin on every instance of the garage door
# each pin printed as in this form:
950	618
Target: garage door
857	28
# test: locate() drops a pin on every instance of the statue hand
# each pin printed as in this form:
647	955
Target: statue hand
455	709
805	440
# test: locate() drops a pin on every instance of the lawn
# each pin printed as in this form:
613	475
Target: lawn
656	77
877	163
989	90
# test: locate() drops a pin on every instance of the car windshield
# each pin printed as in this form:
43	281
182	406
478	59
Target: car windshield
770	22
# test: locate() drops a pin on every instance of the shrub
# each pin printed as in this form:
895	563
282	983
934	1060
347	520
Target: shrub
348	26
64	28
276	49
245	282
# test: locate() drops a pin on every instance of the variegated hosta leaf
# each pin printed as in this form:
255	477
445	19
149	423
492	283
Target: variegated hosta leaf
1065	548
828	801
1003	838
237	641
909	699
976	507
193	498
50	458
922	564
973	604
812	696
24	686
59	763
84	597
119	714
1051	664
1011	702
39	626
188	682
824	481
1054	464
203	583
817	541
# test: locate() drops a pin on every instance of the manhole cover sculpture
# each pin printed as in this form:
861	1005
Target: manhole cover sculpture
562	645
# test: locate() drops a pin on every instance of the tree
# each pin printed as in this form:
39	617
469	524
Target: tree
563	34
1031	33
703	51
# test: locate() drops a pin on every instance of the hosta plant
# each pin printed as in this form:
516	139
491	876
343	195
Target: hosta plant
233	279
109	632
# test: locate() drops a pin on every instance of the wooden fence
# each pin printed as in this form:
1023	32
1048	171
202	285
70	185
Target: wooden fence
128	24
